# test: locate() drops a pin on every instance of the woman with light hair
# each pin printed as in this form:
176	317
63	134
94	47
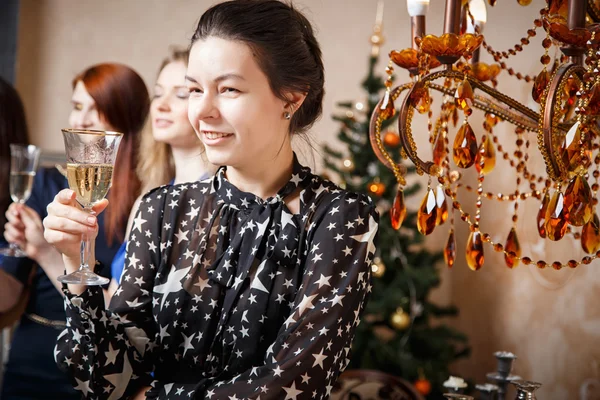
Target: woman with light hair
171	153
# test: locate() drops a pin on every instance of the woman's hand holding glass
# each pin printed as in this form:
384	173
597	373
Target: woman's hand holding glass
24	228
66	223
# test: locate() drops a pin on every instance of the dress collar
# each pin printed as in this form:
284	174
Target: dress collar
230	194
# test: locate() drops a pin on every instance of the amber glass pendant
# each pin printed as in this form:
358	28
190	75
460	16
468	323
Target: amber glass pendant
474	253
398	210
570	148
465	147
439	149
578	201
427	214
541	215
464	97
540	84
512	246
441	205
590	235
556	220
450	250
487	152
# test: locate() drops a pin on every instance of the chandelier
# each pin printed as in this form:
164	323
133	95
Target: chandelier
566	128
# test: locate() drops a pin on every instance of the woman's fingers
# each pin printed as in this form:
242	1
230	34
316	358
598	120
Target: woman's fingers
100	206
30	217
67	225
60	237
13	235
66	197
14	218
61	210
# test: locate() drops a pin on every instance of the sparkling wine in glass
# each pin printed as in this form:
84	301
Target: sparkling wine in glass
24	161
90	161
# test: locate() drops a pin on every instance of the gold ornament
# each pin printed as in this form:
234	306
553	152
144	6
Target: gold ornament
400	320
378	267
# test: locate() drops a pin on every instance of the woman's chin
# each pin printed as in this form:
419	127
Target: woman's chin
218	156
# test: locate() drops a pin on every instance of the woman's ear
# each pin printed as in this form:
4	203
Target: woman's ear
295	100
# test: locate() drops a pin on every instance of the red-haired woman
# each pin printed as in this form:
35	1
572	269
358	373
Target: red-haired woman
105	97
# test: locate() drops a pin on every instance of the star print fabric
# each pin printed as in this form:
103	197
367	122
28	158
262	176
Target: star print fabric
228	296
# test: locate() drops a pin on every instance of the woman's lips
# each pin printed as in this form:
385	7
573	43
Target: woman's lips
162	123
216	135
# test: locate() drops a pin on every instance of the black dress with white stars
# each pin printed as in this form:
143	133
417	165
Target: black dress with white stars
228	296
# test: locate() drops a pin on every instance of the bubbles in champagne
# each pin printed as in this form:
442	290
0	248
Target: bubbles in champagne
20	185
89	181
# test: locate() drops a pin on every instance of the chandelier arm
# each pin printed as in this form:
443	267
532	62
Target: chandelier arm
524	110
487	105
593	10
547	124
404	121
375	137
406	112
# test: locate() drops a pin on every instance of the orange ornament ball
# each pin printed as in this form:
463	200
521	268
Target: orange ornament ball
377	188
391	139
423	386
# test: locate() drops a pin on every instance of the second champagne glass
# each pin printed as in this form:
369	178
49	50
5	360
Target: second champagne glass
91	158
23	165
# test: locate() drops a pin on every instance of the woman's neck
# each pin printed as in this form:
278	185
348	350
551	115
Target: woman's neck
189	164
264	179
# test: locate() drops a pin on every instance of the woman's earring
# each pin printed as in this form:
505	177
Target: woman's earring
288	114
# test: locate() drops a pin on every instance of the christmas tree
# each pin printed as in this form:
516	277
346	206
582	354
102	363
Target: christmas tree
396	334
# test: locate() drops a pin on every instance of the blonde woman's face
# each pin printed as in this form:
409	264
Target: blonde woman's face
169	107
84	114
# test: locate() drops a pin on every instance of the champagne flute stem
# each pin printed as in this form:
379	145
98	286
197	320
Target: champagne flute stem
85	246
15	248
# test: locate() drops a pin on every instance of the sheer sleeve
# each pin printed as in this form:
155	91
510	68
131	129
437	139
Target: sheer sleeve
106	352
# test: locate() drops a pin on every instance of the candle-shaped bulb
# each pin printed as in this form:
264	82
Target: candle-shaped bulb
417	7
479	12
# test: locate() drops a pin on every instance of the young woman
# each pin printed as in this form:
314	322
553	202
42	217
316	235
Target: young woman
105	96
172	153
13	129
248	285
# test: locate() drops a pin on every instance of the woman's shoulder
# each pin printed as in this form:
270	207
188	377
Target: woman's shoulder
326	195
169	196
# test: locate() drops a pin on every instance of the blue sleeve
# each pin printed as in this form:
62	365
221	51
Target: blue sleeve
48	182
118	263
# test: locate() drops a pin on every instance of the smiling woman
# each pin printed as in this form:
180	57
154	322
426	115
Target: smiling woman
247	285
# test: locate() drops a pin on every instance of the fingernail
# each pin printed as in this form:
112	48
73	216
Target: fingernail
91	220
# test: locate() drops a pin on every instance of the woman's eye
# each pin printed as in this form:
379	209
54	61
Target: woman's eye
194	90
182	94
77	106
230	90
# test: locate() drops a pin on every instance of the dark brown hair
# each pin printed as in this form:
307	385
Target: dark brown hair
13	130
283	43
123	102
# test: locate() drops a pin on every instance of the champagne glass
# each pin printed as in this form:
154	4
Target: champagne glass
90	160
24	161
